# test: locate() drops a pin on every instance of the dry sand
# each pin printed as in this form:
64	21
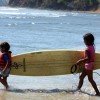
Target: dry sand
97	11
92	12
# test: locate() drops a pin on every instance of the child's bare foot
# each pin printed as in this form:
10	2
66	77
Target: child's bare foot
97	94
77	89
7	87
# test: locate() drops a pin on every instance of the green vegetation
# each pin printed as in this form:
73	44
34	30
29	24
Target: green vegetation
58	4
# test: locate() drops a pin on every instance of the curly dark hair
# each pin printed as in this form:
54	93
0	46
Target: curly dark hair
89	38
5	45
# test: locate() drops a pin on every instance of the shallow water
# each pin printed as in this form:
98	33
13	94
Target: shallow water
32	29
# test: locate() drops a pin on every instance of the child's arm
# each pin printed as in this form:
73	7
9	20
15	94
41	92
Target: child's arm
6	59
85	59
7	64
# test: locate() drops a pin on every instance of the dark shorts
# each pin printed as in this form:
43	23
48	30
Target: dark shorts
5	73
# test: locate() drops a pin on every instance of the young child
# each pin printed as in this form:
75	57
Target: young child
88	60
5	63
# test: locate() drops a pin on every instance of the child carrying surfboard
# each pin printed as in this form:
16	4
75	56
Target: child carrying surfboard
5	63
88	60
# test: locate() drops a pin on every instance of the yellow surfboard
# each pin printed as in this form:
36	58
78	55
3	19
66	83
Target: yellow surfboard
45	63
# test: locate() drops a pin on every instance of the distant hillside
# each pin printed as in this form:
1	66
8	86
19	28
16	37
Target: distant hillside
58	4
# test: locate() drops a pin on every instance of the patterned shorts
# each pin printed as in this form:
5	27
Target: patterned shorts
5	73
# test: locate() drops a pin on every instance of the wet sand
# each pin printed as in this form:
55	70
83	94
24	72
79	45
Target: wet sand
18	94
4	95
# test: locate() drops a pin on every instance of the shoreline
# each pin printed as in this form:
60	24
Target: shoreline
44	96
91	11
95	12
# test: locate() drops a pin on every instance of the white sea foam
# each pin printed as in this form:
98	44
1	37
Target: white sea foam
30	12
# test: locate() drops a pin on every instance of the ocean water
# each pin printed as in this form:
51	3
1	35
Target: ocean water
4	2
32	29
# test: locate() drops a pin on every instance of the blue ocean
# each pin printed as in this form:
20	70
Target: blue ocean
33	30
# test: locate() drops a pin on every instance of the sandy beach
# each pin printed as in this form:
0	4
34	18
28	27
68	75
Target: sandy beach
96	11
92	11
